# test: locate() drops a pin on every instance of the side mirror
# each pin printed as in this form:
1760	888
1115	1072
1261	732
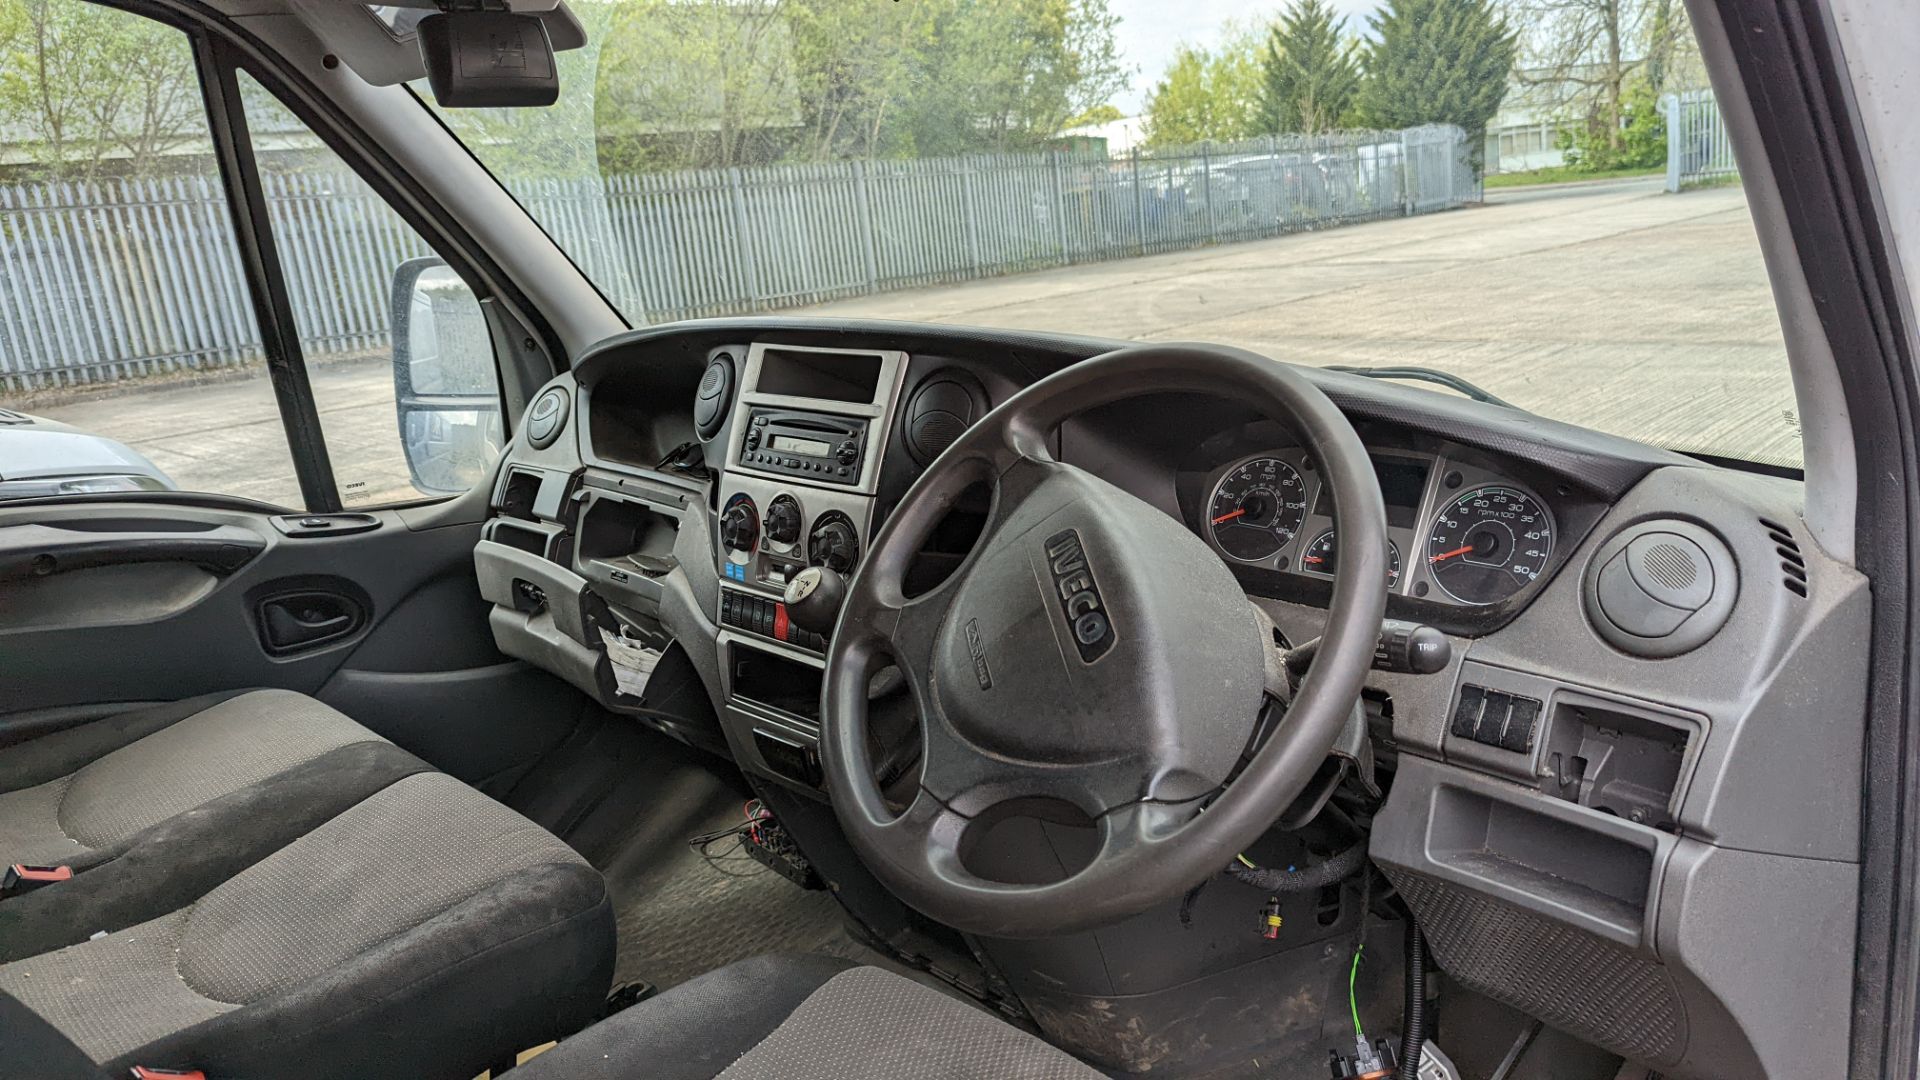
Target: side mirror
445	387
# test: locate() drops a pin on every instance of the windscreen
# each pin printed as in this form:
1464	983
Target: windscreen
1537	197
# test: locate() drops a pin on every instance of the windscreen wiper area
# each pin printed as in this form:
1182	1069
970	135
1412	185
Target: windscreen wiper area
1435	376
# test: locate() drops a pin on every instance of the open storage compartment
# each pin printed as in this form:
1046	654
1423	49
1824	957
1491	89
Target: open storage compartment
776	681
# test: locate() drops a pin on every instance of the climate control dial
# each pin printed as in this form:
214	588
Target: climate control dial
783	519
740	524
833	543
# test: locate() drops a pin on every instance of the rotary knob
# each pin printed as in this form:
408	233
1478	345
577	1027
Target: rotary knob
849	453
783	520
834	543
739	525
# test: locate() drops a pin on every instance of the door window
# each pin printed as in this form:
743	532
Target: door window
396	346
131	357
129	354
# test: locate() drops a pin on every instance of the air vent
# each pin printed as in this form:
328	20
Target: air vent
1793	565
715	396
940	411
1660	588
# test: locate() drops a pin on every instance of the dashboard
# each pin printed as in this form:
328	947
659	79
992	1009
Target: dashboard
1611	741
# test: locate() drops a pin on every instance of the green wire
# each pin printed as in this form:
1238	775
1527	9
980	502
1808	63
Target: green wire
1353	999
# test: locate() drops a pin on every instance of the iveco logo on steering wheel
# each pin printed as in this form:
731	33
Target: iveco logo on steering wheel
1079	596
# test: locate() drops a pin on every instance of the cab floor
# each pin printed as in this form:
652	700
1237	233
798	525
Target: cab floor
628	800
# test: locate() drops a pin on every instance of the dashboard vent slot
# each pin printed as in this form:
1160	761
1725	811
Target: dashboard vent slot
1793	565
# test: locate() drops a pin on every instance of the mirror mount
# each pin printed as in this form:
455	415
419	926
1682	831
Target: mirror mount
488	59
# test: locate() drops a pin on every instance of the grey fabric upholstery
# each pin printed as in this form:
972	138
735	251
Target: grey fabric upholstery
187	759
803	1018
421	933
168	866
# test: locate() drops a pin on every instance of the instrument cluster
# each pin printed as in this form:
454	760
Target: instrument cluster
1458	533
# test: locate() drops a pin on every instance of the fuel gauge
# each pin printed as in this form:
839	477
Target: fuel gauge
1321	556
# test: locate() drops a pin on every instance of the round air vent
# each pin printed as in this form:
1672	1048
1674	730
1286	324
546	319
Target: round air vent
715	396
1660	588
546	418
940	410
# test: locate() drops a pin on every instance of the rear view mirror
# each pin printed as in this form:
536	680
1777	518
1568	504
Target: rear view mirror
444	382
488	59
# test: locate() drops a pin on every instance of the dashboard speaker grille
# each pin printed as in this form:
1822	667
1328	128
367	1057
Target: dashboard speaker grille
1669	566
1576	981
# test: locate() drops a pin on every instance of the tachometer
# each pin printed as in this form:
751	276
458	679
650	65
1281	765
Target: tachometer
1322	556
1488	543
1257	509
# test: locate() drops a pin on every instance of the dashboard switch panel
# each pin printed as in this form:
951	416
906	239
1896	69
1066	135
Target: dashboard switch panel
1496	718
767	618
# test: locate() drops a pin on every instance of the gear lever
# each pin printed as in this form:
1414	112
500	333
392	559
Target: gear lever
814	597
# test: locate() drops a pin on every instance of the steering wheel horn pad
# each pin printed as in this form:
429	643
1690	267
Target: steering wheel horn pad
1095	641
1091	650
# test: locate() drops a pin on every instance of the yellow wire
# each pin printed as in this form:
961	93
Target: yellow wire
1246	862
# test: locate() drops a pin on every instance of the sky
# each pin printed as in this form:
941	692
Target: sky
1149	30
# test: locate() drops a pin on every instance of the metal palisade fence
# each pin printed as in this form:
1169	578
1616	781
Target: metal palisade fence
1698	148
122	279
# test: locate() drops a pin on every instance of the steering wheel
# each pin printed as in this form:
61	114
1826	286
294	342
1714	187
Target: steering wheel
1091	651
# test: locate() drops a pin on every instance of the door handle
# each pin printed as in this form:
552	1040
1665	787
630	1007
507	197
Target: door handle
303	620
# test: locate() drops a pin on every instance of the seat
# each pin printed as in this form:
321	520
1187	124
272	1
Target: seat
799	1018
153	807
426	931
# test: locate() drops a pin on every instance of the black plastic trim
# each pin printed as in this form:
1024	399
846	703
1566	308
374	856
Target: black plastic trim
266	279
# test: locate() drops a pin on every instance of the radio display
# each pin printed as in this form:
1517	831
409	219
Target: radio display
790	445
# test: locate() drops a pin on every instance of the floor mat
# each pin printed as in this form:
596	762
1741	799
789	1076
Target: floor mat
627	799
680	914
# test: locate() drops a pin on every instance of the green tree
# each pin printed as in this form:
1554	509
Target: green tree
1436	62
94	90
1637	141
1100	114
1309	74
1009	74
1207	94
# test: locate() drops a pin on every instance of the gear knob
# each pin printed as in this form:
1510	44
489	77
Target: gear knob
814	597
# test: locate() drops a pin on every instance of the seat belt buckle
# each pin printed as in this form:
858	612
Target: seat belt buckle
141	1072
25	877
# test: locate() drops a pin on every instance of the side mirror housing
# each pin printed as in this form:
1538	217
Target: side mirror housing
445	387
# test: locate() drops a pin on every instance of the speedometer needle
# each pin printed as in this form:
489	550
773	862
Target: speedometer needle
1449	554
1229	516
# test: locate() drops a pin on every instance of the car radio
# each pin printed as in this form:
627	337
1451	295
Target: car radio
816	446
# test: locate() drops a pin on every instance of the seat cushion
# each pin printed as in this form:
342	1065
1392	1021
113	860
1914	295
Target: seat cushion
154	807
803	1018
180	756
425	932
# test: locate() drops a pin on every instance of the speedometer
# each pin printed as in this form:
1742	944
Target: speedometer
1257	509
1489	543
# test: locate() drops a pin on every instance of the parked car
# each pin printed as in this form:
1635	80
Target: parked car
45	457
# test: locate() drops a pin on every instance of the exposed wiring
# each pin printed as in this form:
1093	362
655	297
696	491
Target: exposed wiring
1353	996
1246	862
756	815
